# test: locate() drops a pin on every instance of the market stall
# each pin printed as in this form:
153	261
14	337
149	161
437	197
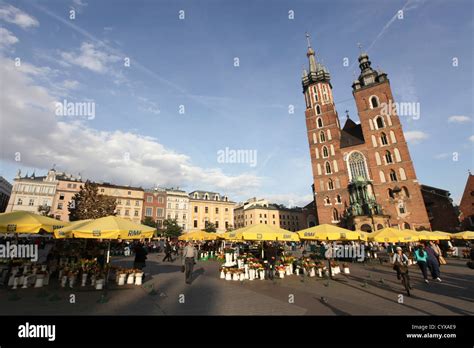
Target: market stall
20	271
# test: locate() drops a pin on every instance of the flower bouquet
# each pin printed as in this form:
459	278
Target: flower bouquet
281	269
345	268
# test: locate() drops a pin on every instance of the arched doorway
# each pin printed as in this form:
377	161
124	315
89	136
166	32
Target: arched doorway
379	226
366	228
406	226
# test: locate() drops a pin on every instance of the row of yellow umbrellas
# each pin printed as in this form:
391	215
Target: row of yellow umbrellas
113	227
109	227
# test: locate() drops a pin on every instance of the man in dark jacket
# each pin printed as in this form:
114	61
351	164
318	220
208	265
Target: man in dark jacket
168	250
140	257
433	263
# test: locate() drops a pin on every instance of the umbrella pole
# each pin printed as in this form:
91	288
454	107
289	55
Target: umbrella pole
107	263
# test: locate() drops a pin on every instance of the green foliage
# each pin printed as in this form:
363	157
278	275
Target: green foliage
88	204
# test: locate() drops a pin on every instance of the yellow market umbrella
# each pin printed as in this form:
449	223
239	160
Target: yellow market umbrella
331	232
109	227
420	235
262	232
28	222
66	232
442	235
392	235
198	235
464	235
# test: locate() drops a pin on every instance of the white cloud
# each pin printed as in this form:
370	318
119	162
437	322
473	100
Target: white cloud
415	137
118	156
442	155
148	106
70	84
290	199
459	119
7	38
90	57
11	14
471	138
79	3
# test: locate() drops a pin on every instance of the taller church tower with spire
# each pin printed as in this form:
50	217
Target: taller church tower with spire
363	176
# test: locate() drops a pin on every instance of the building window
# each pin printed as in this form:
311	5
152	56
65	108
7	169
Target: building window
69	185
388	157
129	193
374	102
383	139
338	199
327	201
127	202
401	208
206	196
149	199
118	211
322	137
217	224
137	203
20	201
357	166
405	192
159	212
149	212
379	122
318	111
216	197
61	197
127	212
169	205
206	210
119	201
160	199
390	193
195	208
31	202
325	152
226	210
330	185
60	206
136	212
195	223
335	215
393	175
184	216
101	190
217	210
328	168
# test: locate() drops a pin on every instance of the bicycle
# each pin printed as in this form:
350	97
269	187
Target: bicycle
405	278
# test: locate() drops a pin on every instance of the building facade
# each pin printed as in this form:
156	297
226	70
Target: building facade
129	200
466	205
363	175
29	193
292	219
154	205
177	207
440	210
68	185
5	193
210	207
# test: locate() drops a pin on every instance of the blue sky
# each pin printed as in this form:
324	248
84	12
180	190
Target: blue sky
139	137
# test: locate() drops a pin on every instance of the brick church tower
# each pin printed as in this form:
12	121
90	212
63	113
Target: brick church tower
363	174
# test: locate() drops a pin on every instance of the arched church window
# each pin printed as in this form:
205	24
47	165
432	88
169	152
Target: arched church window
328	168
335	215
379	122
318	110
322	137
320	122
388	157
357	166
393	175
330	184
325	151
374	102
338	199
327	201
383	139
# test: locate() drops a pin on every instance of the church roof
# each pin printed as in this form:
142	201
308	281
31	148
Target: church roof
351	134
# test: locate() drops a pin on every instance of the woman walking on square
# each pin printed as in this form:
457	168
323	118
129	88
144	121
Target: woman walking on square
421	257
433	263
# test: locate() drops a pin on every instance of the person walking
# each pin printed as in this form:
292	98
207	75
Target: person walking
433	263
140	257
189	259
168	251
421	257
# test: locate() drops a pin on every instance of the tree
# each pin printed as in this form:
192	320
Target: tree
210	227
88	204
229	228
148	221
45	210
172	229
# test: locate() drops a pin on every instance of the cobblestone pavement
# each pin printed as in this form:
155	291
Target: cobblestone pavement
369	290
